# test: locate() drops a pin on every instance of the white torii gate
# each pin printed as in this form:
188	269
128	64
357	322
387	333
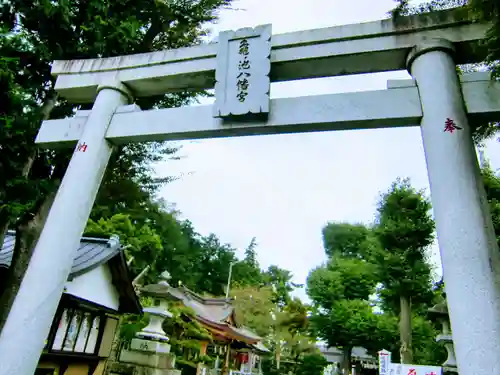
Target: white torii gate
434	100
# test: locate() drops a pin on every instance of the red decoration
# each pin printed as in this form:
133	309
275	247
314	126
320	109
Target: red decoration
412	371
244	357
431	373
450	126
81	147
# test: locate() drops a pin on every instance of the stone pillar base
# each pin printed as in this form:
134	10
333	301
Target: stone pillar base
154	371
162	361
131	369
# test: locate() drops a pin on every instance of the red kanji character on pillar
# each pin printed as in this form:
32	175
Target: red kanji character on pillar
82	147
450	126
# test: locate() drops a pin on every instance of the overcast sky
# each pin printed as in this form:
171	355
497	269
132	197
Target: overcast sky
284	189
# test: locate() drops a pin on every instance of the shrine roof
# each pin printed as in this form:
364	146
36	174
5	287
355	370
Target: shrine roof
259	346
219	312
215	313
92	253
246	332
213	309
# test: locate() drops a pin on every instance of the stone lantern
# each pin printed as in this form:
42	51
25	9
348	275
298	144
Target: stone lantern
149	352
439	312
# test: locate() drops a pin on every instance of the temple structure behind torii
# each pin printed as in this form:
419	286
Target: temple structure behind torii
241	66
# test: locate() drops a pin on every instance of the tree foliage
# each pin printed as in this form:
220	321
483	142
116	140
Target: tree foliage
405	230
492	188
37	34
378	266
312	364
255	307
347	240
292	340
283	327
280	280
33	35
340	279
342	314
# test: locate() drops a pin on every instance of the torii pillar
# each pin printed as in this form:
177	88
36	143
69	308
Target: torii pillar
469	251
28	324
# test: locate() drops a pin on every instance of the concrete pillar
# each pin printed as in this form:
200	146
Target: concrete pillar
469	253
29	321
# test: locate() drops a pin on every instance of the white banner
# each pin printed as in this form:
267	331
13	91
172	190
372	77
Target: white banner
386	367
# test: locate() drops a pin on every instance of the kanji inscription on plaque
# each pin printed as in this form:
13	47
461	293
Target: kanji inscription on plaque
242	74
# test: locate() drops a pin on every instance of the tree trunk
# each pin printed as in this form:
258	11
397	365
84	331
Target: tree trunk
27	233
346	360
405	351
278	355
28	228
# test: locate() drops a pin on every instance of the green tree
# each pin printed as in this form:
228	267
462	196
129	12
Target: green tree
291	336
183	258
341	278
255	308
35	34
342	315
280	280
294	317
199	262
347	240
492	188
426	349
312	364
143	246
247	272
214	265
284	329
405	230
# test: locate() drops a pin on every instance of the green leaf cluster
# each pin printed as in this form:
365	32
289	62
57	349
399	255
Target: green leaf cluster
33	34
357	293
405	230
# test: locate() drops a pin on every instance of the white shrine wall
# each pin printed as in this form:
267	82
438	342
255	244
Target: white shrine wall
95	286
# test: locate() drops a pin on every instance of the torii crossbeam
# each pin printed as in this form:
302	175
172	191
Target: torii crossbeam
241	66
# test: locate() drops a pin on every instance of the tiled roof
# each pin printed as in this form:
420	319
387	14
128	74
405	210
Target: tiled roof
216	310
92	253
212	311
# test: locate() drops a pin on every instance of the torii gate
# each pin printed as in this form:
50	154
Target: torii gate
243	63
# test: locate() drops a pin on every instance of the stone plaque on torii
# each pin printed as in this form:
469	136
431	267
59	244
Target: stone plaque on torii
435	100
